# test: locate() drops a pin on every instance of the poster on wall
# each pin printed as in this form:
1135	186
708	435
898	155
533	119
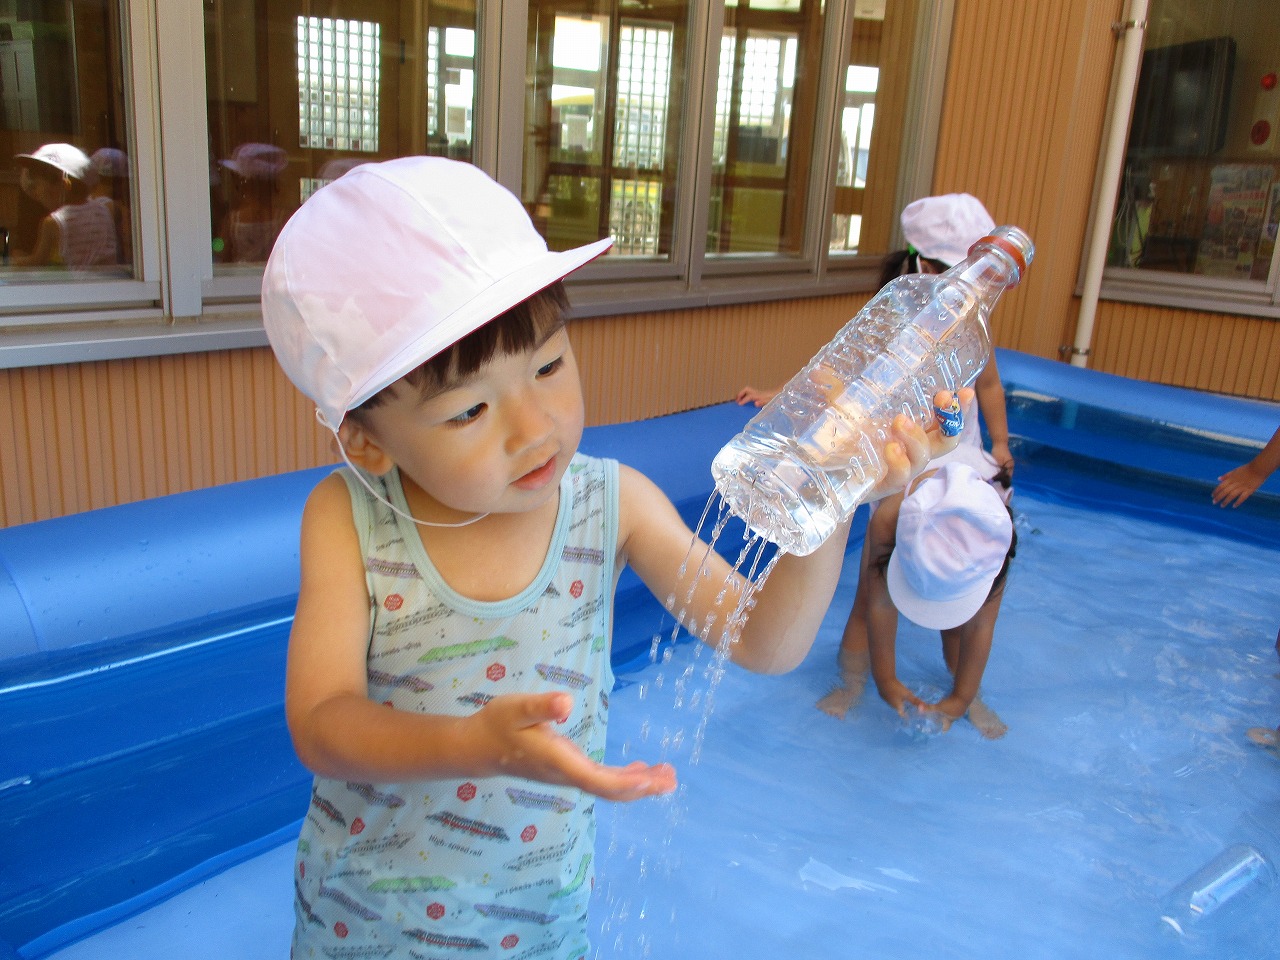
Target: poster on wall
1237	207
1267	241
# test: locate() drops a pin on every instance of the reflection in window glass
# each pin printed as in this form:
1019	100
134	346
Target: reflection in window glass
857	120
759	171
601	125
872	123
66	180
295	101
1200	191
338	84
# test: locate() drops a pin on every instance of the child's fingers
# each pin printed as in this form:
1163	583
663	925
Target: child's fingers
545	708
632	782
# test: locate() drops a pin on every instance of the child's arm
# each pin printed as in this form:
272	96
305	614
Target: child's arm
339	732
1238	485
783	622
882	615
47	239
991	402
967	648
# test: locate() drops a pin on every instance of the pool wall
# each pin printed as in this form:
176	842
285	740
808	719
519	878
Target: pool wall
142	652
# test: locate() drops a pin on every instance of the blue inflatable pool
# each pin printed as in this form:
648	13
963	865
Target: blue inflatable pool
142	652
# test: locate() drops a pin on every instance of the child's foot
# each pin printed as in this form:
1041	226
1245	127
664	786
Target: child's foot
1264	737
838	701
985	719
852	683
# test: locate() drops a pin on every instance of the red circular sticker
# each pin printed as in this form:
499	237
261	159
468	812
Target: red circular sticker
467	792
496	672
435	910
1260	133
393	601
509	941
575	589
340	929
528	833
357	826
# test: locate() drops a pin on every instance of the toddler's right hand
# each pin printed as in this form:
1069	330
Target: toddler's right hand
754	396
516	733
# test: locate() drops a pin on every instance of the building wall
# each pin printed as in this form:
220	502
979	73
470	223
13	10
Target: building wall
1022	120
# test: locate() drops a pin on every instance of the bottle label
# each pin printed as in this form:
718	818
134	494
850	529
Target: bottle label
950	420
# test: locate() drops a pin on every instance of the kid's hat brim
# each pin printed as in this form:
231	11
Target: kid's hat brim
64	158
392	263
953	537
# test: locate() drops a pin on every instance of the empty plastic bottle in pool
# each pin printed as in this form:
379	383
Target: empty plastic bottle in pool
1236	871
810	456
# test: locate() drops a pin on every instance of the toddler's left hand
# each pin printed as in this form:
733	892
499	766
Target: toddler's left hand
908	455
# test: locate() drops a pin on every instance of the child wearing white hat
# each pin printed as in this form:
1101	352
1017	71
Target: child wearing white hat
448	672
79	230
939	555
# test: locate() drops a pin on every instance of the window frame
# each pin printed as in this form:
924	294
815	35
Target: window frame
176	304
1161	288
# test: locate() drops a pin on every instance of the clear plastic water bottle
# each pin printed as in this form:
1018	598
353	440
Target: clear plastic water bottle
810	456
1237	870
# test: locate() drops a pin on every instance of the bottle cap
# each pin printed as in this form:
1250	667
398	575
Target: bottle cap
1018	259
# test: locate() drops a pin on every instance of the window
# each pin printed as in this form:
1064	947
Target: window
732	150
1199	199
66	214
603	124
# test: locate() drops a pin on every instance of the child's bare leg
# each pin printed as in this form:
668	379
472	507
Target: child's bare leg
1264	737
854	668
986	720
854	658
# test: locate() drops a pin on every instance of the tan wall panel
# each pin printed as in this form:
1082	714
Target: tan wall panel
80	436
1204	351
1023	116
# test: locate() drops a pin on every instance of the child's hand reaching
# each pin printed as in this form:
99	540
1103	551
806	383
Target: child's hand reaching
895	693
517	731
908	455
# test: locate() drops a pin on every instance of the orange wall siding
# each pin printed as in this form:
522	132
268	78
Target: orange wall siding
79	436
1023	114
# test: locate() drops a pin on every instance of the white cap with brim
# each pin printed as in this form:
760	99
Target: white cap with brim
64	158
943	228
393	263
952	539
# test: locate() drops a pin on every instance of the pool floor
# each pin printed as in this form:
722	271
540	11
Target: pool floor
1129	659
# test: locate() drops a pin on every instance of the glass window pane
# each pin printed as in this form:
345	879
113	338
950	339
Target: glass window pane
65	210
877	73
297	99
769	65
1200	191
603	121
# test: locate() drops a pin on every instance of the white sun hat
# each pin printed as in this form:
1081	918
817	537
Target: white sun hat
953	536
391	264
945	227
64	158
257	161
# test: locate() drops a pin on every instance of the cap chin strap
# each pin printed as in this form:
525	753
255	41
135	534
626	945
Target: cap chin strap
324	422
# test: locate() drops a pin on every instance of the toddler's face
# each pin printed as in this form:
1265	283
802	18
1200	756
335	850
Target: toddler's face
497	441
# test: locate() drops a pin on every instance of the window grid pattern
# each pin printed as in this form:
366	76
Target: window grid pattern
644	77
761	83
640	136
338	74
433	74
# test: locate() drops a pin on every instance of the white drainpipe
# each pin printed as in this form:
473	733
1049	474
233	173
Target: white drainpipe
1131	35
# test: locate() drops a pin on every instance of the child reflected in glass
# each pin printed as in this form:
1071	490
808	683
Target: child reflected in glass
78	230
